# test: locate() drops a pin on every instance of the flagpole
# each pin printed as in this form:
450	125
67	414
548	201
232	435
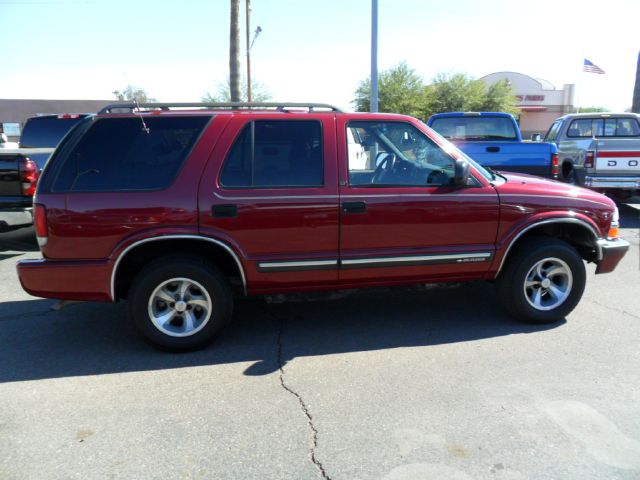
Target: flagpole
580	83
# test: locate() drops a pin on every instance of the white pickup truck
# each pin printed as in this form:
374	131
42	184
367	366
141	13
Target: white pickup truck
600	151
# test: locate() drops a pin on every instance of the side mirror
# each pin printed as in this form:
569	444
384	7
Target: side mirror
536	137
461	172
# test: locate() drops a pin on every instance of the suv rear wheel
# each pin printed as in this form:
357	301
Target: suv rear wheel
543	281
180	303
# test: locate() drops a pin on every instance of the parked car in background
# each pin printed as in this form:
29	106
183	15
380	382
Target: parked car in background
494	140
599	151
179	208
20	166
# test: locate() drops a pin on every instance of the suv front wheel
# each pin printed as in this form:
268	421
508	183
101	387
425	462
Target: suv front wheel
180	303
543	281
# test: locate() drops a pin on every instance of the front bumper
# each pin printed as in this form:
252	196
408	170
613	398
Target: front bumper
66	280
612	253
15	217
622	183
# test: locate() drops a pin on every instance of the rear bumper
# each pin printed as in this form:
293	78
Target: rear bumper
612	253
624	183
67	280
15	217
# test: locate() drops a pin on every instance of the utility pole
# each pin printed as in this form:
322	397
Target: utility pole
234	51
248	13
635	106
374	56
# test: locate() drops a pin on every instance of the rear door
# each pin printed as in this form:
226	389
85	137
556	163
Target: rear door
270	191
401	220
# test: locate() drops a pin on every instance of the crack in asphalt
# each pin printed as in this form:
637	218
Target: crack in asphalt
619	310
305	409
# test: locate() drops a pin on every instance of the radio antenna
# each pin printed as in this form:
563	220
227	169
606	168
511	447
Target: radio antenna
145	129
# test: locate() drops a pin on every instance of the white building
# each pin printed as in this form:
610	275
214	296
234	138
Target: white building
540	103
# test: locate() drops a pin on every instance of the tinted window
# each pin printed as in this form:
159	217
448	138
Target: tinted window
609	127
46	132
118	154
275	154
475	128
396	154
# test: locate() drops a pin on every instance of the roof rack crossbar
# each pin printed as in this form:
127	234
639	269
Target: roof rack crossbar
132	106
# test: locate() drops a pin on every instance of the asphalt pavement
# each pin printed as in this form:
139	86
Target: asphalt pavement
397	385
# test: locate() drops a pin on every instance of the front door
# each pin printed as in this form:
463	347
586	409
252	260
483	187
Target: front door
401	218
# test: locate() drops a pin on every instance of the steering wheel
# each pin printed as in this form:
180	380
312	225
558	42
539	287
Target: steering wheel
384	167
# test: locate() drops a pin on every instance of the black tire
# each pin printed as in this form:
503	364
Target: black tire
570	177
204	285
519	300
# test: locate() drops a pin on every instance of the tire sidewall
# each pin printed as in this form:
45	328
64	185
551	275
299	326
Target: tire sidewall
513	283
206	275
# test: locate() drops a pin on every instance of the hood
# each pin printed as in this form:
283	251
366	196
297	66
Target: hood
532	185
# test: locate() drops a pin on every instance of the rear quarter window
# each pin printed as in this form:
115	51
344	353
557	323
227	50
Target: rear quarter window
117	154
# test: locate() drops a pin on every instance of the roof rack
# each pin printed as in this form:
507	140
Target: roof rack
132	106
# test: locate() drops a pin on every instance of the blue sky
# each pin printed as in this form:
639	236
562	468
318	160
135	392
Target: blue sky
309	50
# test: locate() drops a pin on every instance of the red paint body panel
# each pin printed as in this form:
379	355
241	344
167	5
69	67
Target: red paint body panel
88	232
84	280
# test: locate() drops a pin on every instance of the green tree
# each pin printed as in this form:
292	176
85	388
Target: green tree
400	90
131	93
461	93
500	98
592	109
259	93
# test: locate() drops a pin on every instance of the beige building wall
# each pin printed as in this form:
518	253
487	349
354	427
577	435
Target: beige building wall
540	103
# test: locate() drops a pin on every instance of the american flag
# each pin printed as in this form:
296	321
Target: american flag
591	68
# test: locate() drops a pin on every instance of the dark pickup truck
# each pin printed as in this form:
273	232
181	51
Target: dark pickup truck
20	167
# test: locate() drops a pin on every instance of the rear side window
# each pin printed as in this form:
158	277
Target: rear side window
118	154
275	153
46	132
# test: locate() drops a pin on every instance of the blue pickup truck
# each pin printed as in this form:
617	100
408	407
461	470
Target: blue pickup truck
494	140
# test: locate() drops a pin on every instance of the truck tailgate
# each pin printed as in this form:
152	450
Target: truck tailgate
618	157
532	158
10	185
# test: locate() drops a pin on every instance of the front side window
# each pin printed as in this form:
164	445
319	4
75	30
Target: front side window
395	154
275	153
123	154
553	132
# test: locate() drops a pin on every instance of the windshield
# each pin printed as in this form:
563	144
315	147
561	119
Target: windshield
46	132
475	128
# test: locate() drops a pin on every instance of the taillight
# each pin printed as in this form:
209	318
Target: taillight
555	166
68	115
28	176
40	223
589	159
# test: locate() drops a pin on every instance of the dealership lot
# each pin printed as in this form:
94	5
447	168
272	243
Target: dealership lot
402	384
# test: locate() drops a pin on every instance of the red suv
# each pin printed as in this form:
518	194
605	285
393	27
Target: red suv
180	207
